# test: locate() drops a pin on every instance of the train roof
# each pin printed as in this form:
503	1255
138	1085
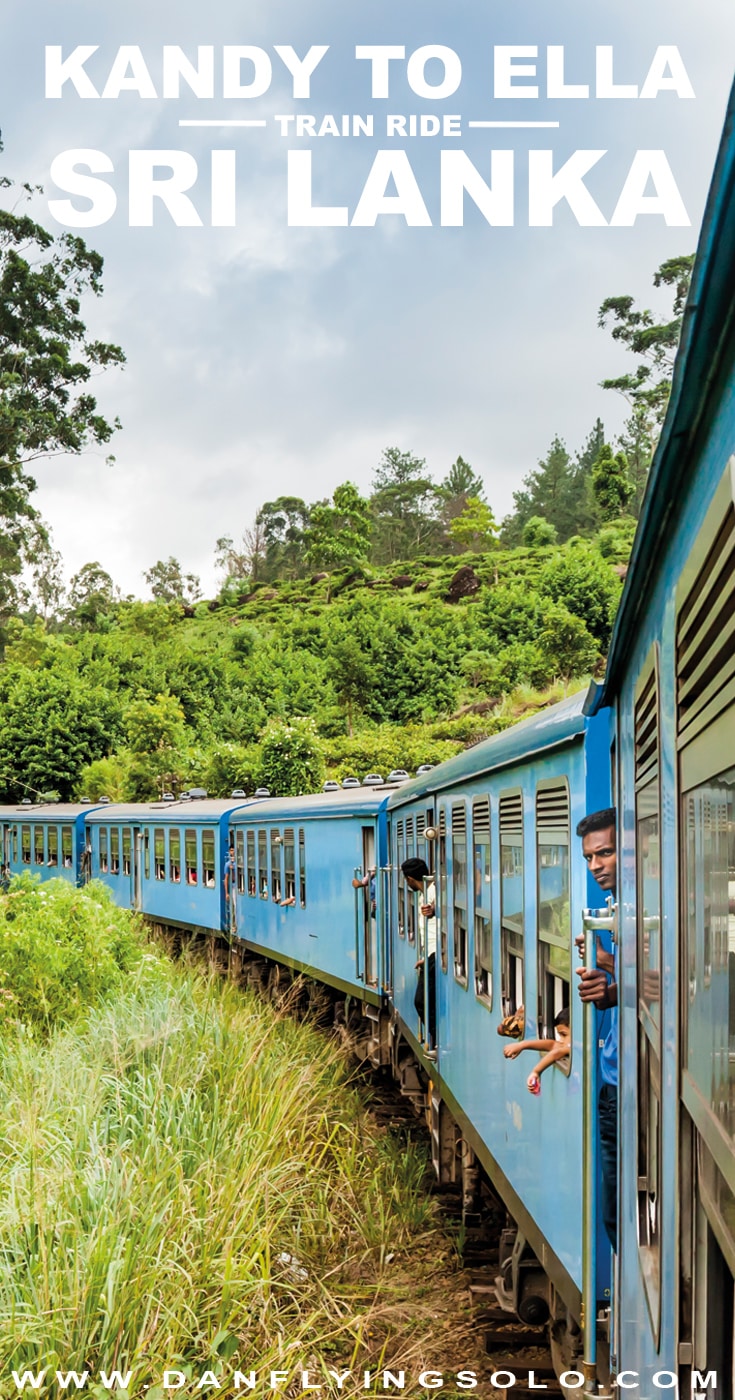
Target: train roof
45	811
183	812
705	352
559	724
344	803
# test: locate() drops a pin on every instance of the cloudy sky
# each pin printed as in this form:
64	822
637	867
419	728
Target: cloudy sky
265	359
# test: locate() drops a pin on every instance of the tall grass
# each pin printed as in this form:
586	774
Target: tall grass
187	1180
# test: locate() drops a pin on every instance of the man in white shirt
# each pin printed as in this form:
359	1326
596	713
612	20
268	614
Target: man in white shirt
416	872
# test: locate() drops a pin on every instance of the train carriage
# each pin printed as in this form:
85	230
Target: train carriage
496	825
166	859
45	839
671	684
295	902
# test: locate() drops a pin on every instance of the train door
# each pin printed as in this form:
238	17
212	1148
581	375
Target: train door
370	907
6	848
705	732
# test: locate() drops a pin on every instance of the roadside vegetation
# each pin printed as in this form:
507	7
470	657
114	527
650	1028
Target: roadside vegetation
188	1180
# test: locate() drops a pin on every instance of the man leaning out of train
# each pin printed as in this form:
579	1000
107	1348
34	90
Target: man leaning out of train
598	985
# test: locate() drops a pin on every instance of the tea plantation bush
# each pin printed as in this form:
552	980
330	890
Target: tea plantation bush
63	949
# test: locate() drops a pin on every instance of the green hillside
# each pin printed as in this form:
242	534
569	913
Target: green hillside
289	681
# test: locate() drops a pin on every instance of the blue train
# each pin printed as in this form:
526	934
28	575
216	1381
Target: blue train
496	829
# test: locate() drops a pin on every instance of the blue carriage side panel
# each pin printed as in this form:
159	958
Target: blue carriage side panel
295	899
47	840
532	1148
684	539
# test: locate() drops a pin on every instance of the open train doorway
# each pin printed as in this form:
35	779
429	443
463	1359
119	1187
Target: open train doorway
367	911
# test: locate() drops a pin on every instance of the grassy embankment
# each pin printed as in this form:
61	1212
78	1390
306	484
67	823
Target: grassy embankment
188	1179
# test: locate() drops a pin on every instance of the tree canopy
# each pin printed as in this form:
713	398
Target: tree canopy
47	360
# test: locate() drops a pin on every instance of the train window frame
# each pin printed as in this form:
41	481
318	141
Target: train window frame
146	852
481	906
647	784
441	909
512	943
39	846
52	846
262	849
191	844
411	897
209	858
174	855
552	834
25	845
400	840
460	927
252	868
67	848
114	850
302	867
276	881
127	849
159	852
705	712
103	848
289	862
239	861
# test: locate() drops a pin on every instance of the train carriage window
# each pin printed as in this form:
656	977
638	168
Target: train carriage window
276	866
25	845
648	915
104	863
39	845
459	891
252	872
441	890
114	850
159	853
400	857
174	855
709	929
482	877
126	850
554	916
302	869
53	846
705	722
209	874
67	848
411	897
289	860
240	861
191	856
511	900
147	854
15	845
263	864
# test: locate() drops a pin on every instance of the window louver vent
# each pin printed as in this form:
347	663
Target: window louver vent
481	817
646	734
399	830
409	831
442	822
511	815
705	639
459	821
420	826
552	809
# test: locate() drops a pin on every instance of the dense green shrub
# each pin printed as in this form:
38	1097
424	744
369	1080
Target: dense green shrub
291	759
62	949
